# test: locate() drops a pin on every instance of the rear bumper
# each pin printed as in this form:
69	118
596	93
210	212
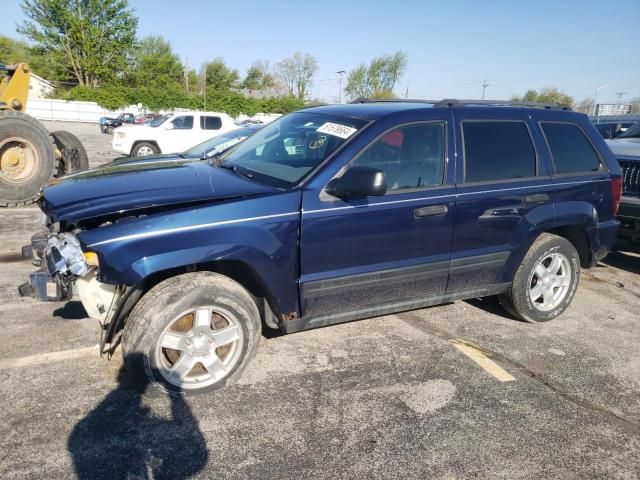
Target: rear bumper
629	217
605	237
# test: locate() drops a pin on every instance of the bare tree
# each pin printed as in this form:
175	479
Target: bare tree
585	106
297	73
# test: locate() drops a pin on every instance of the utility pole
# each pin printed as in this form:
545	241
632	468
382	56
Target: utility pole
484	87
186	75
340	74
620	94
596	110
205	88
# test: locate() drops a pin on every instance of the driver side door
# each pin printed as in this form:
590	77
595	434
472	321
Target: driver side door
365	256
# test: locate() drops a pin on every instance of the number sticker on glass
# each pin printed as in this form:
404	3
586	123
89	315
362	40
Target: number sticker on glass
337	130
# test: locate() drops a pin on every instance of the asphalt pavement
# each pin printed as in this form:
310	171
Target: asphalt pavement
454	391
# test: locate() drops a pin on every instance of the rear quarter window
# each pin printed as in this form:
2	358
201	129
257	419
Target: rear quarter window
497	150
571	150
210	123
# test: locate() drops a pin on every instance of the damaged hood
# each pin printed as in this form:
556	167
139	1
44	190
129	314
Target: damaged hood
130	186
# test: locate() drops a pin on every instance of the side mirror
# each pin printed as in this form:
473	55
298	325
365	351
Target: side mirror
168	126
358	182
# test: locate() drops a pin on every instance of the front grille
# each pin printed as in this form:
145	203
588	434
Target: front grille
631	176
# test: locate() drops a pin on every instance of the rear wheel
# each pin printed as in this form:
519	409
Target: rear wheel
191	333
74	157
27	158
546	281
143	149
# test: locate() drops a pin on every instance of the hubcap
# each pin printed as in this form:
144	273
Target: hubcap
144	151
549	281
199	347
18	160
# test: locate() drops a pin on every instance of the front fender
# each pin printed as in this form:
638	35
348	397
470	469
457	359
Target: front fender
261	232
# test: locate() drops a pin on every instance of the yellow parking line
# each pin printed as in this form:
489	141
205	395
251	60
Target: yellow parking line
478	356
50	357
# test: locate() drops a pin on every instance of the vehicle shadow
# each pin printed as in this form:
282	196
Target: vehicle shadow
124	437
625	256
491	305
72	310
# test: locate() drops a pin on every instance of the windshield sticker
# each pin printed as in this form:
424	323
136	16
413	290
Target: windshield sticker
337	130
318	142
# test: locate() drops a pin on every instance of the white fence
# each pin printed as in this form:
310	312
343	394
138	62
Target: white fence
48	109
74	111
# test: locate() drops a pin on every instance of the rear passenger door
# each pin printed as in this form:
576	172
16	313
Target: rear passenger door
504	194
581	178
210	126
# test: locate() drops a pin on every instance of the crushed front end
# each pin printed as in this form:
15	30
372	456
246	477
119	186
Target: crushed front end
64	270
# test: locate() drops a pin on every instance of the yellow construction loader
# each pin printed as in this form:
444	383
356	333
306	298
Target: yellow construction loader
30	156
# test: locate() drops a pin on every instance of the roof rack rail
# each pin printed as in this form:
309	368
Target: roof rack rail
393	100
452	102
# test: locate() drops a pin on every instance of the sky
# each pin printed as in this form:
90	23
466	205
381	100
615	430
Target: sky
452	46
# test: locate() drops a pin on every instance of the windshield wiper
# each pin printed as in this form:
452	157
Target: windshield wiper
245	172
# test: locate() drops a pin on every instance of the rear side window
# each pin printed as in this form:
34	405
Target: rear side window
183	122
210	123
497	151
571	150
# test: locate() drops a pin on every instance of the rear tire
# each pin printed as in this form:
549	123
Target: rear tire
27	158
74	156
144	149
191	333
546	281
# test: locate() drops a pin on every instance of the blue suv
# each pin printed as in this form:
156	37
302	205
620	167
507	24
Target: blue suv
329	214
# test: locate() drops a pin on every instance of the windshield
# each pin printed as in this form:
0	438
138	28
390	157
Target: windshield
287	149
156	122
632	132
220	143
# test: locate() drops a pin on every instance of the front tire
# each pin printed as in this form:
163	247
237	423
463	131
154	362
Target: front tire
191	333
546	281
144	149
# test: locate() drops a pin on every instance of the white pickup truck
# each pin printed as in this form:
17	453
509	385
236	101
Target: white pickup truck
174	133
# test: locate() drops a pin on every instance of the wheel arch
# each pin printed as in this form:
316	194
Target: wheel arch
577	235
237	270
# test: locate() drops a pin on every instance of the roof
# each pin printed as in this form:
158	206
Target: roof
375	109
367	111
196	112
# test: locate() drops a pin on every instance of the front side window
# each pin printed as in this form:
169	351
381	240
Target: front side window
210	123
571	150
411	156
497	151
183	122
284	151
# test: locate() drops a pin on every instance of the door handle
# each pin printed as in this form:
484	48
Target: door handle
430	211
536	198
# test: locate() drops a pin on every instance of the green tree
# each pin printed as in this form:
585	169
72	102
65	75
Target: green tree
297	73
258	77
218	76
545	95
91	39
155	65
15	51
12	51
378	79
